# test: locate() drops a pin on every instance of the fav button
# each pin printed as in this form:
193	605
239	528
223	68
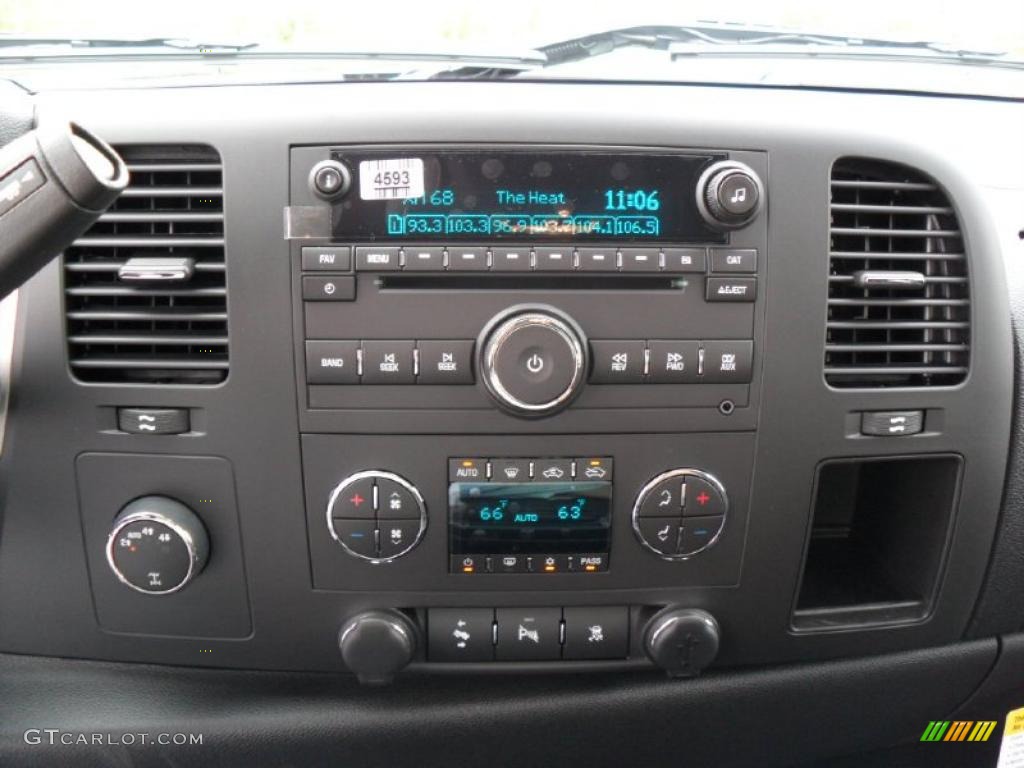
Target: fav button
530	634
334	258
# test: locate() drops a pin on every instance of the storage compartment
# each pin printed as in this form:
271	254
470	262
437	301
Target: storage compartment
878	540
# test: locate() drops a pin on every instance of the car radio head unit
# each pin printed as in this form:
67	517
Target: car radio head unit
463	194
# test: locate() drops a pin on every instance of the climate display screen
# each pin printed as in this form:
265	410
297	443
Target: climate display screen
530	518
459	195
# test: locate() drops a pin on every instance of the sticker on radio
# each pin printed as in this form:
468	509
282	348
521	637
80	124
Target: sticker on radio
391	179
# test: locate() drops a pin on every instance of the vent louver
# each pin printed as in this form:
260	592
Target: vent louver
149	331
898	294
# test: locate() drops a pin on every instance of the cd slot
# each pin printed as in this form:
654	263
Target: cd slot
532	282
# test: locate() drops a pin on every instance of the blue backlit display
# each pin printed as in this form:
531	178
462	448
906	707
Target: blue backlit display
530	517
521	195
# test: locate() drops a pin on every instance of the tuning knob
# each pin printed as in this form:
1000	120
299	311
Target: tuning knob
729	195
533	361
377	645
157	545
682	641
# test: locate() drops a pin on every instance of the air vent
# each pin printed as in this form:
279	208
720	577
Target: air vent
898	298
145	288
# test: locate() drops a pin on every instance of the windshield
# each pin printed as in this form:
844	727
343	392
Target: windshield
978	24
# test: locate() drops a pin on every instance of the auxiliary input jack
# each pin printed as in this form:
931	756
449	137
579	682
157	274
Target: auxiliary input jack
726	407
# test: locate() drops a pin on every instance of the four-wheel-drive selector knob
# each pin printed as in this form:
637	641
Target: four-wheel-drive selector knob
157	545
729	195
377	645
533	361
682	641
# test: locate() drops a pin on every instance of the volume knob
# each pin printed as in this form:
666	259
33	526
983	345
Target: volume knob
729	195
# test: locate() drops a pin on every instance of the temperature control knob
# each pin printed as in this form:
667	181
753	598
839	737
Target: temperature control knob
157	545
533	361
729	195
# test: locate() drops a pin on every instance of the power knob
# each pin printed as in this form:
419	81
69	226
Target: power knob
157	545
729	195
377	645
682	641
533	360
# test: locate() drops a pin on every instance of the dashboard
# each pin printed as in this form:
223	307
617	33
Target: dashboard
470	379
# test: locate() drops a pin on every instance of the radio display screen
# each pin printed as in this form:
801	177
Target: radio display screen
459	195
530	518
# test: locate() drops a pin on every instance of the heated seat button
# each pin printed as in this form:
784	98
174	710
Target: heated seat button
332	362
673	362
445	362
596	633
702	498
529	634
388	362
357	535
617	362
728	362
460	634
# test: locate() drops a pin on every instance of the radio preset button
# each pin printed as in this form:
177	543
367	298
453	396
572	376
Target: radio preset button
463	258
529	634
617	362
377	258
673	362
423	258
733	260
332	362
728	362
317	288
597	259
388	362
640	259
731	289
510	259
554	259
445	362
683	260
460	634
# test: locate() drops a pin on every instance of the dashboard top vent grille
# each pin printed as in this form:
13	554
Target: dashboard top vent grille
898	293
153	331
